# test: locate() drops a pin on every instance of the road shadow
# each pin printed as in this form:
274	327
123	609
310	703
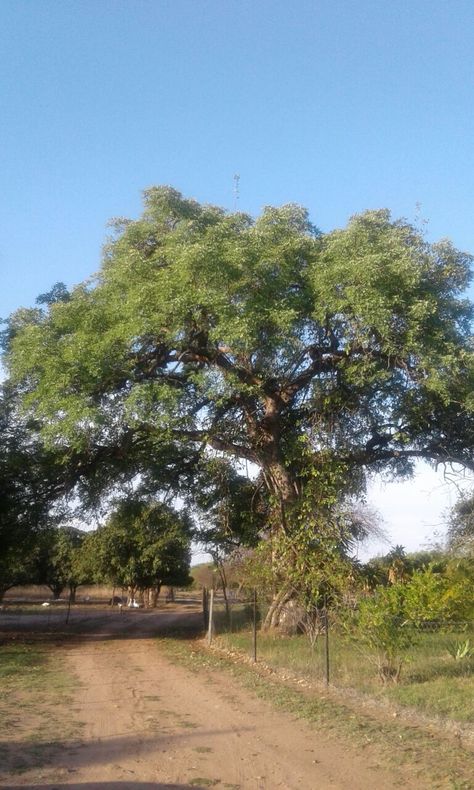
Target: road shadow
76	755
105	786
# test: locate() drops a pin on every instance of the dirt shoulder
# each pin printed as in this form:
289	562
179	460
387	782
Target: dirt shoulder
144	721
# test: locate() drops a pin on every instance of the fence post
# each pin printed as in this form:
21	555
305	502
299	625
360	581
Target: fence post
205	608
326	641
68	607
211	619
255	625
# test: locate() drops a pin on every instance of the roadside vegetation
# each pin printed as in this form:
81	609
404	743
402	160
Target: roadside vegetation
432	682
403	631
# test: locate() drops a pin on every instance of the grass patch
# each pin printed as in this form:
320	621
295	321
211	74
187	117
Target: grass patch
431	682
434	761
448	697
19	660
35	699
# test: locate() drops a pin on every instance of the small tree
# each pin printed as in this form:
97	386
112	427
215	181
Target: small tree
143	546
386	621
381	626
58	562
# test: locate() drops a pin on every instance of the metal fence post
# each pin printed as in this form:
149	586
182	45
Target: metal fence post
326	641
205	608
68	608
255	625
211	618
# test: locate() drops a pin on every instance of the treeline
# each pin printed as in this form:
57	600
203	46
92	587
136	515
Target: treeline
141	547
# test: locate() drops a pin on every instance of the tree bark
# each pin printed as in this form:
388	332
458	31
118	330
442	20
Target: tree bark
153	595
56	589
272	619
223	578
283	484
72	592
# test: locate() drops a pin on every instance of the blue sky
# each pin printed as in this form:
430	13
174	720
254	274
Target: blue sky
338	105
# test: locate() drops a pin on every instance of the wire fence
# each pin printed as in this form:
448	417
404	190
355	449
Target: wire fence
115	612
429	665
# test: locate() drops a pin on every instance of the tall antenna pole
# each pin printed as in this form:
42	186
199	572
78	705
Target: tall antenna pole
236	191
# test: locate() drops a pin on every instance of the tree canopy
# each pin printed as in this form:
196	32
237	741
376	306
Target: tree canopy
461	525
143	546
59	560
317	357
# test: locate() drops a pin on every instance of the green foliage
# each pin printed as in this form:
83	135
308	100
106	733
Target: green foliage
232	510
459	595
143	545
397	565
311	565
30	482
461	526
386	619
424	597
382	626
460	650
59	560
318	358
262	339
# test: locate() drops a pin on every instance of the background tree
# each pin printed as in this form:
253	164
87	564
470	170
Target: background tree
232	514
398	565
58	560
143	546
204	575
460	533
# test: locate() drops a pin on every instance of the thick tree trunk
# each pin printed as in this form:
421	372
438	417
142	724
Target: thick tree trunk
72	592
282	481
3	590
272	619
153	595
56	589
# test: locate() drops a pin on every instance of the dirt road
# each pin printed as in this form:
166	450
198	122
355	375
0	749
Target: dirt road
150	724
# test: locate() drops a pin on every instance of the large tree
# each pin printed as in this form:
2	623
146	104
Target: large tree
316	357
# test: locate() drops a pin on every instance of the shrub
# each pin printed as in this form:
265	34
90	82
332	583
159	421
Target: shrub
381	626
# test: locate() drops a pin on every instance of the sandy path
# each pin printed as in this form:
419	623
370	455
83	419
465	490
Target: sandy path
150	724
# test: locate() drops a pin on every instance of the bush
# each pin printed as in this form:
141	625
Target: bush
381	625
